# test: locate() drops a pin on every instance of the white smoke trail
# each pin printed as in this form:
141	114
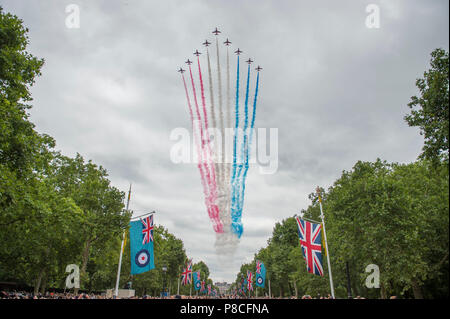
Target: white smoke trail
226	242
225	218
213	112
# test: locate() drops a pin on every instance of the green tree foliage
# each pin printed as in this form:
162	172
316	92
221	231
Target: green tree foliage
429	111
56	210
394	216
391	215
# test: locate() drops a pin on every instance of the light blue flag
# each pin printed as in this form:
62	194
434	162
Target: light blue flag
141	245
197	283
260	279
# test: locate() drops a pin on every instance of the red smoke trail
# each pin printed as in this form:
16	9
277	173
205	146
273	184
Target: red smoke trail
208	141
213	185
214	212
202	174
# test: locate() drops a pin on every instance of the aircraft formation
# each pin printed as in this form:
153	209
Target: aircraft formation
227	43
223	179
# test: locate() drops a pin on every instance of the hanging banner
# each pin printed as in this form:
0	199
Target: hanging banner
141	245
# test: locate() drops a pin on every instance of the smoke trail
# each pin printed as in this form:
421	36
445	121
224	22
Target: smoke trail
218	227
226	242
213	113
238	186
247	151
202	174
213	185
236	212
228	120
219	76
223	198
236	226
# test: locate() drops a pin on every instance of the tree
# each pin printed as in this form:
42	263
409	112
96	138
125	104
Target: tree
430	111
203	268
19	142
392	215
101	203
383	214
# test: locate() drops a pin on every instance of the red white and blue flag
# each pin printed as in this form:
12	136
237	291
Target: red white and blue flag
147	229
249	280
186	275
203	289
310	237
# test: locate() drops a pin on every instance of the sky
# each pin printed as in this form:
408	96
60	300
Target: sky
334	86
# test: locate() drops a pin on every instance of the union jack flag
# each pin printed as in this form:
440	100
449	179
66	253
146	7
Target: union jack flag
249	280
147	229
186	275
258	267
311	242
203	286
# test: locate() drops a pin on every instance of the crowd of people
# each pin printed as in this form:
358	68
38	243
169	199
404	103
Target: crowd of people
70	295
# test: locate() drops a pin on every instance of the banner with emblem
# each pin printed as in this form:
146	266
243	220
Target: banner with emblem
197	283
141	245
260	279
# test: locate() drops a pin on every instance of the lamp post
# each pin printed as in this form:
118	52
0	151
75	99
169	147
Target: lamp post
164	269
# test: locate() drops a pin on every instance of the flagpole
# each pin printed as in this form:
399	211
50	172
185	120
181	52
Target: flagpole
116	291
326	243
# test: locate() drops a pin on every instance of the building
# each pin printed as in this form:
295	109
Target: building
223	287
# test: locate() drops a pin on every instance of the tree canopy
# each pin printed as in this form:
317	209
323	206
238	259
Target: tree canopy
429	110
56	210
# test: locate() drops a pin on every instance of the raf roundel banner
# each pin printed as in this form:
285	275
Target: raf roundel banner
141	245
260	274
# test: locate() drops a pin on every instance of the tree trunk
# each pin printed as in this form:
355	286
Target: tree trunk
42	272
44	281
416	289
383	291
296	291
38	281
84	261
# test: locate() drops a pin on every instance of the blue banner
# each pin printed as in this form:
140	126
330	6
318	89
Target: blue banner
141	245
197	282
260	279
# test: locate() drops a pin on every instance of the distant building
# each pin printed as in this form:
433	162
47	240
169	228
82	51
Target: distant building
223	287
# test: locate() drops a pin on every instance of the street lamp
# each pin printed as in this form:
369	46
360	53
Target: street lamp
164	269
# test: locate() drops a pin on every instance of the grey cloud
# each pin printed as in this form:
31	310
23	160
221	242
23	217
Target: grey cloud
336	91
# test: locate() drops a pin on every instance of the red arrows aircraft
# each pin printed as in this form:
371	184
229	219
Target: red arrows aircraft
188	62
227	43
181	70
258	68
197	53
216	32
206	43
238	51
249	61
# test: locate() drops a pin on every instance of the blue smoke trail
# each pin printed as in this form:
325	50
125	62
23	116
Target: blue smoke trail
236	227
238	186
247	151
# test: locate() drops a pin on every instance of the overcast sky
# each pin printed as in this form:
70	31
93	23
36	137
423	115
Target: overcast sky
336	90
